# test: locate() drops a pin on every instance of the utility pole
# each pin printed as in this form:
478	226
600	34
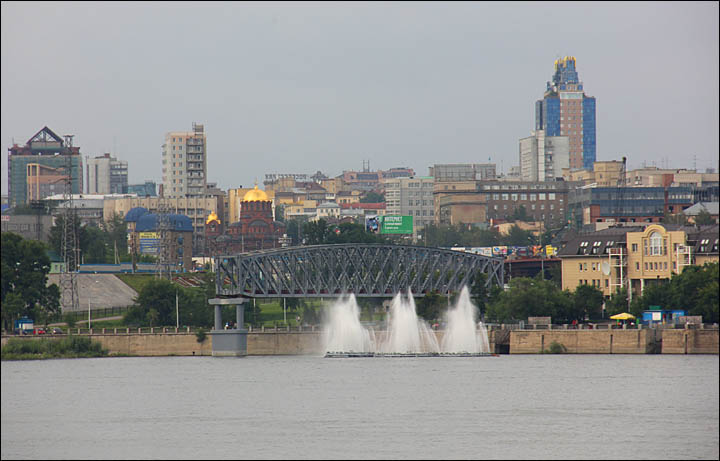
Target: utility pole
69	243
162	267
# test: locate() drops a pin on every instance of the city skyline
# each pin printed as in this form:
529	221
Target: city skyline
284	88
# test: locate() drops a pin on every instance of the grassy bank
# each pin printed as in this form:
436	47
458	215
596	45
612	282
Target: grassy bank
135	281
36	349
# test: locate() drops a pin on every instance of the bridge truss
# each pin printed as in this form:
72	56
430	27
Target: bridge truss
367	270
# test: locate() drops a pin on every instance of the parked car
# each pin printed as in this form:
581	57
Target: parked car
57	331
39	331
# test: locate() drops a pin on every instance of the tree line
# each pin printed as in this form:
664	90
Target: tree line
25	292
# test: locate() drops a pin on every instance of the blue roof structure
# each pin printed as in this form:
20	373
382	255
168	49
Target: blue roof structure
135	213
178	223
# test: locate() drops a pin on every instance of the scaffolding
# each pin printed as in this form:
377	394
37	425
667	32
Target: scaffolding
617	260
683	257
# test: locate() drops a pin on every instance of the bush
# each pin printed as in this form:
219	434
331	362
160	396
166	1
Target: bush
201	335
555	348
72	346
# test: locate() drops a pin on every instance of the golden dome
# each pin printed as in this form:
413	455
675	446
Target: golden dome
212	217
256	195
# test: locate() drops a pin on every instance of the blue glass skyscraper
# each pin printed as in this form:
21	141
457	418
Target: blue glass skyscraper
565	110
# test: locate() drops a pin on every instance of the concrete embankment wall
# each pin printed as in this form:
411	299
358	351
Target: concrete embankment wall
646	341
585	341
258	343
690	342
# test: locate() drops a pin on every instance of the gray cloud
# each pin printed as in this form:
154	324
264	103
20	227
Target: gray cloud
296	88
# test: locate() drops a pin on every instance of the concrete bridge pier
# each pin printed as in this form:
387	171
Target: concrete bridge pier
229	343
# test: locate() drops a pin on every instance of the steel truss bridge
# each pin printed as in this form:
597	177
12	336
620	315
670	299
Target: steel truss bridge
367	270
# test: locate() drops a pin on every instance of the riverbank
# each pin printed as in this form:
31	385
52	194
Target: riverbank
169	342
48	348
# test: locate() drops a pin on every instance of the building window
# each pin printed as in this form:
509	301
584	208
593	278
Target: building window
637	266
580	267
634	247
656	244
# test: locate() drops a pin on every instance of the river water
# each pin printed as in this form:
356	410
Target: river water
517	407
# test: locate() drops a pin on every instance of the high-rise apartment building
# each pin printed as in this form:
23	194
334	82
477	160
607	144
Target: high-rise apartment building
542	158
184	163
107	175
565	110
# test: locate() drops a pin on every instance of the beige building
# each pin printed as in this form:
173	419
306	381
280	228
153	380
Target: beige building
604	174
411	196
635	257
344	197
458	202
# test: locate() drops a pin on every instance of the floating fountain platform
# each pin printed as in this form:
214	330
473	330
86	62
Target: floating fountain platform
345	355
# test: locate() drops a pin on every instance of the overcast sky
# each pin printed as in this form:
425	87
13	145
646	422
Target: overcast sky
301	87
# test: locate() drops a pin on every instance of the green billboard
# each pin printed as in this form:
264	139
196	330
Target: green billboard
396	224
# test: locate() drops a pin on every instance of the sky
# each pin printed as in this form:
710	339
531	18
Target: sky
302	87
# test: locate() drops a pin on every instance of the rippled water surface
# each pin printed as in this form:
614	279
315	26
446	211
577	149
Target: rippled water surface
524	407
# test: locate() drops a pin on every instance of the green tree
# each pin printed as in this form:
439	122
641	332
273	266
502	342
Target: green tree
309	314
116	230
316	233
428	307
25	266
587	302
531	297
280	212
372	197
520	214
704	218
479	292
56	234
155	304
678	218
695	290
97	246
320	233
292	229
618	303
519	237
